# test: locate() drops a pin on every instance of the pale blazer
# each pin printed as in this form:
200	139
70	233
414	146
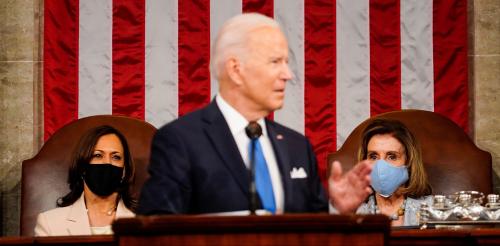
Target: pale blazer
412	208
71	220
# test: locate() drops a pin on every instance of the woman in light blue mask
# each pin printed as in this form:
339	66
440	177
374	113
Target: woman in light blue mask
398	177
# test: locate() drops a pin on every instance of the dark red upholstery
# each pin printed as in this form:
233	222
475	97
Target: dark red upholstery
452	161
44	177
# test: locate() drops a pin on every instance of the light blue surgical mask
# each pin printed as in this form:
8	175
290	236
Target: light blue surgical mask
386	178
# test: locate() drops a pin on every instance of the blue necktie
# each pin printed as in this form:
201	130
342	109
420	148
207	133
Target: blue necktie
263	179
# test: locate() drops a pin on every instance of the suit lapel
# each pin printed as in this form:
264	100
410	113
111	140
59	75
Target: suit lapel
280	147
220	135
77	219
122	211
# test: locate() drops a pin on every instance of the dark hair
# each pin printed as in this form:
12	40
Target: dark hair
418	184
82	155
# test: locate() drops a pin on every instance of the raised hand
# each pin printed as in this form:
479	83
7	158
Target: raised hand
347	192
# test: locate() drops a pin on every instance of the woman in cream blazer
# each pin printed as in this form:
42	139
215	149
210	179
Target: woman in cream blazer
99	179
71	220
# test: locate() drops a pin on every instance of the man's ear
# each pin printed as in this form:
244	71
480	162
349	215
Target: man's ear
233	68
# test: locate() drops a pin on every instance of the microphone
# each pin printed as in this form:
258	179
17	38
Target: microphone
253	131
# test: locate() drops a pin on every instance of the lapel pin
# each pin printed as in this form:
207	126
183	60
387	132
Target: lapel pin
279	136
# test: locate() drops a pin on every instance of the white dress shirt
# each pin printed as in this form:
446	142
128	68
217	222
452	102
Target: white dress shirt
237	124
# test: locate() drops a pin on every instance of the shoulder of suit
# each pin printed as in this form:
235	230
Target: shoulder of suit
281	129
188	120
56	211
420	200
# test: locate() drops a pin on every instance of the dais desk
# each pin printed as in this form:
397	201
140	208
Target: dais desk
442	237
299	229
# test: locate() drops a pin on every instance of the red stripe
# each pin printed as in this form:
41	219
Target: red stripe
450	60
265	7
60	68
194	55
320	76
385	56
128	57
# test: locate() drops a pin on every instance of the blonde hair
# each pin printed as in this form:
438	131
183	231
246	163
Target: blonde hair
231	39
418	184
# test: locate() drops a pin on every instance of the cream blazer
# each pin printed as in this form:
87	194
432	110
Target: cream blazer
71	220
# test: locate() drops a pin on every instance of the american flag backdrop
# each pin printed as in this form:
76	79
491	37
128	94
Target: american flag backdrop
351	59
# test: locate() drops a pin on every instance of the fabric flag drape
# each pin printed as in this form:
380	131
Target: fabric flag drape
351	59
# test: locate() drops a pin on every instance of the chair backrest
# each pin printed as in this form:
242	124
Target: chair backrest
452	161
44	177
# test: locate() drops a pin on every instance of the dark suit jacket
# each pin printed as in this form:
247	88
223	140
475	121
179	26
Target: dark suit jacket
196	167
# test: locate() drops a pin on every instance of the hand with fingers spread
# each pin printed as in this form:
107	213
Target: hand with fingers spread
348	191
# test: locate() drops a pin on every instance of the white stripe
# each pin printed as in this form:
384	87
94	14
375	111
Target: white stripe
220	11
353	66
161	61
94	58
290	15
417	86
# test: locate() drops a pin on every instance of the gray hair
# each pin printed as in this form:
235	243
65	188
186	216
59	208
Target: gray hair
230	40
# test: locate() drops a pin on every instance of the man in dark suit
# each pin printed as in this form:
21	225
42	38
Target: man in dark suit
200	162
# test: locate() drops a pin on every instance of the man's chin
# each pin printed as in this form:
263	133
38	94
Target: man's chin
277	106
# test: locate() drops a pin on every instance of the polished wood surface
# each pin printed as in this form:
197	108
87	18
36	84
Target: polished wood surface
442	237
429	237
301	229
17	240
100	240
487	236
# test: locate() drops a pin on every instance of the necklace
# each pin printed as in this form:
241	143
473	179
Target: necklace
108	213
400	212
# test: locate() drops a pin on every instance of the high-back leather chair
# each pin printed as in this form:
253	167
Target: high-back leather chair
44	177
452	161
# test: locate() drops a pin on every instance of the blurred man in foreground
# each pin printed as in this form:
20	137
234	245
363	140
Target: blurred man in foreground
200	162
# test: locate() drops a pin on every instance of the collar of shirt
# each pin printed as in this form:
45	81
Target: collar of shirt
235	120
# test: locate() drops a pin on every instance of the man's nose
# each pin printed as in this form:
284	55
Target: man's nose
287	73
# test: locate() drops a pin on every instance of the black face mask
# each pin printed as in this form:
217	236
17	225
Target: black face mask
103	179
